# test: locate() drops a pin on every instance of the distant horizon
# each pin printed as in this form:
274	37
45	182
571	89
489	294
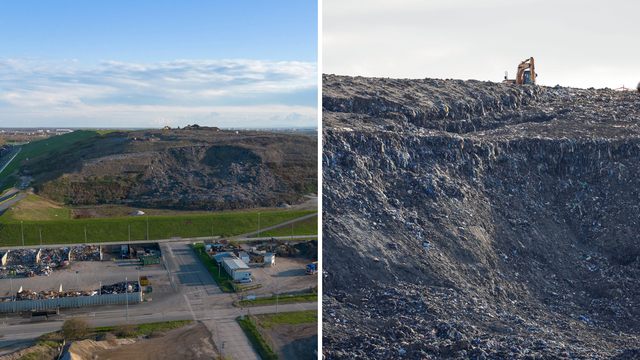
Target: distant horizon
147	128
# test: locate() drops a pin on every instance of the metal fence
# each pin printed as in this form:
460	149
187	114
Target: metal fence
172	279
266	337
70	302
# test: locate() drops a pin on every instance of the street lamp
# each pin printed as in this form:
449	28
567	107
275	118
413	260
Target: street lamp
258	225
85	235
22	231
40	230
147	228
129	229
277	280
126	290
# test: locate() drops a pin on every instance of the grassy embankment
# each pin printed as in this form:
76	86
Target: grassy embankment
41	147
160	227
271	320
303	227
282	299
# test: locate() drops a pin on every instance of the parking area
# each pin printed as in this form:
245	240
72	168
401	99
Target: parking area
291	276
89	275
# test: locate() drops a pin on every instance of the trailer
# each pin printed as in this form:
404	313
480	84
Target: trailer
312	268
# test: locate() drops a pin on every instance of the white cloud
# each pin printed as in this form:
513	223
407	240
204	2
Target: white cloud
32	89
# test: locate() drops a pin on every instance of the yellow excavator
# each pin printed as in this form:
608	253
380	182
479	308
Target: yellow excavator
526	74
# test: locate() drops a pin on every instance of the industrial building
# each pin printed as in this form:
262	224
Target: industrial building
237	269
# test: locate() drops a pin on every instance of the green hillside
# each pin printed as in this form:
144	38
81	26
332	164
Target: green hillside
41	147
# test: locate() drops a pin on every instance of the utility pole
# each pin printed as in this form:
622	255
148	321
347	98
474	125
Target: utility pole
129	227
291	231
126	290
277	280
85	235
258	225
40	230
147	228
22	230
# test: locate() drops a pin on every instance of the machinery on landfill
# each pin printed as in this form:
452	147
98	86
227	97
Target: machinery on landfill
526	74
312	268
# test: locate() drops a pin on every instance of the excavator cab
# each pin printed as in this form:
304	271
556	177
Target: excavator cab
526	74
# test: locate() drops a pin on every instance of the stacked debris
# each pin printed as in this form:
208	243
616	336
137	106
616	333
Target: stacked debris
85	253
43	295
406	321
54	255
120	288
22	256
533	212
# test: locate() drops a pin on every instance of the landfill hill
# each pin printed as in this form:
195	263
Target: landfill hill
180	169
477	220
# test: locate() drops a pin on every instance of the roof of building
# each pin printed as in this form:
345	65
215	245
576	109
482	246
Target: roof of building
243	254
235	264
221	256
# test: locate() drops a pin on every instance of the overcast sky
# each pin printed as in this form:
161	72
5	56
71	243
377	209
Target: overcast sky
156	63
574	43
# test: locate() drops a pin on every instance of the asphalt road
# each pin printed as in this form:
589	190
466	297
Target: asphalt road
5	203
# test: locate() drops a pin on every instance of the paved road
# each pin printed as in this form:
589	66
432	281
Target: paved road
7	201
197	298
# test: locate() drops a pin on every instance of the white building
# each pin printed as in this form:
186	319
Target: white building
237	269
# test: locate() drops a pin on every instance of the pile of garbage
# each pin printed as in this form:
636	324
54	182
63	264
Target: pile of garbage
507	194
43	295
85	253
120	288
22	256
52	256
406	321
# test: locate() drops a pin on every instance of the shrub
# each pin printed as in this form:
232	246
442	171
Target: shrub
75	328
126	330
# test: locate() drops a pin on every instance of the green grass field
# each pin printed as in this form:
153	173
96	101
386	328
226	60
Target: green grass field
282	299
290	318
41	147
303	227
160	227
33	208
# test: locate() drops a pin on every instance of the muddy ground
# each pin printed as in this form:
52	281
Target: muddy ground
478	220
192	342
296	342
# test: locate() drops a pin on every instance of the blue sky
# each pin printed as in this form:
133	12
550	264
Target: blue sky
145	64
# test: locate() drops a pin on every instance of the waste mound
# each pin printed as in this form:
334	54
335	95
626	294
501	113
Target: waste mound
469	219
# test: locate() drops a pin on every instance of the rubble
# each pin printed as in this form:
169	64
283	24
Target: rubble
517	204
22	256
85	253
119	288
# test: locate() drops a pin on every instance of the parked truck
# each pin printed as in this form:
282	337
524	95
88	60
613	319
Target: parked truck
312	268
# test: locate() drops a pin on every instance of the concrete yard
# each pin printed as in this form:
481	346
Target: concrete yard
88	276
292	276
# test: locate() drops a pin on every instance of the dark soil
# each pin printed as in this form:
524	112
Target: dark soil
477	220
181	169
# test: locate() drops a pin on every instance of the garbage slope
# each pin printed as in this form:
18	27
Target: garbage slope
474	219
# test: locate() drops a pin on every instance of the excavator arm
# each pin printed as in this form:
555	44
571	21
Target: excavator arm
526	73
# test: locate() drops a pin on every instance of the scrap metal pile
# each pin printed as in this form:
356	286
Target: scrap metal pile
42	295
120	288
22	256
85	253
519	200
